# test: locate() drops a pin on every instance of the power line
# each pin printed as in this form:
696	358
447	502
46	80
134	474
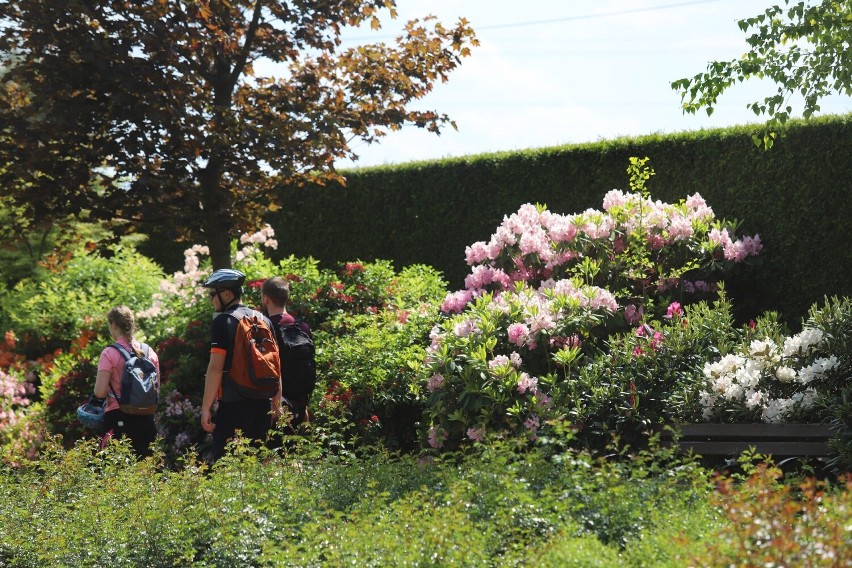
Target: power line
565	19
594	16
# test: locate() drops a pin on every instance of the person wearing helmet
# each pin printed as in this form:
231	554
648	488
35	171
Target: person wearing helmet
234	412
140	429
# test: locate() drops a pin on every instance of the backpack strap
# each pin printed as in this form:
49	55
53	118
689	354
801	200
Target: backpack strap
124	352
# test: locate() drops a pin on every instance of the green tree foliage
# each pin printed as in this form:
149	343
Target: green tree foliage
804	49
161	114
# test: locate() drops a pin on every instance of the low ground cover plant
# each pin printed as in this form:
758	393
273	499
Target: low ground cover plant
492	506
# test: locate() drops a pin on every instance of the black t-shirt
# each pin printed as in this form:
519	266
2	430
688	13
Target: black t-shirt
285	319
223	332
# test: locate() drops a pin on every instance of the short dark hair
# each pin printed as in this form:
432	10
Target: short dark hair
276	289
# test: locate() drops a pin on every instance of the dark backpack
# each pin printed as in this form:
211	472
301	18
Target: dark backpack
140	382
298	360
255	367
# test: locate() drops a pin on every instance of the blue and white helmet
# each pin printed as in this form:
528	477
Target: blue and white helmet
91	416
225	279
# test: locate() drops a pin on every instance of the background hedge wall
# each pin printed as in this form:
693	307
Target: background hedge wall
796	196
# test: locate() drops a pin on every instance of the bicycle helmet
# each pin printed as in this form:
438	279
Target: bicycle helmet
225	278
91	416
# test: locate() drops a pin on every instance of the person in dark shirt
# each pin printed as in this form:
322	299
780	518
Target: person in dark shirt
253	417
275	294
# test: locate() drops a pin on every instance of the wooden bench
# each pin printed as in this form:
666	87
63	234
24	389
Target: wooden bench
777	440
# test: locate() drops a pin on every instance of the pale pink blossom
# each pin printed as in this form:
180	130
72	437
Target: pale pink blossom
680	228
518	334
465	328
614	198
562	229
455	302
527	383
476	434
697	208
476	253
532	423
479	277
515	359
435	382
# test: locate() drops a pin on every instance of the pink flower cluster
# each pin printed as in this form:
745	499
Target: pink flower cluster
455	302
435	382
436	437
13	397
527	383
655	339
674	309
513	360
736	251
534	244
476	434
179	405
518	334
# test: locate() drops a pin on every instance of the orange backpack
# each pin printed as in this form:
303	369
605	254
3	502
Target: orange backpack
256	367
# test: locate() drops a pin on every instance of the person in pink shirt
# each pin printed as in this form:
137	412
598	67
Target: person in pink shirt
140	429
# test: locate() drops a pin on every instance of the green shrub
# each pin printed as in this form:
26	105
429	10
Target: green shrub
48	310
651	375
494	506
367	378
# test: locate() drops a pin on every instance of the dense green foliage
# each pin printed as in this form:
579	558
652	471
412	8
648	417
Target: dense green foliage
400	368
49	309
495	507
795	196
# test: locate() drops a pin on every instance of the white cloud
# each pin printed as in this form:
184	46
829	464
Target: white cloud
576	78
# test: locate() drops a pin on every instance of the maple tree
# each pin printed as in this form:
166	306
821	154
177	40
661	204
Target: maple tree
155	113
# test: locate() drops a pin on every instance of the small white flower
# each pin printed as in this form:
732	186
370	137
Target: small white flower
786	374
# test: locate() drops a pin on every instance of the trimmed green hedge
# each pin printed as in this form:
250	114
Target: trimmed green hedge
796	196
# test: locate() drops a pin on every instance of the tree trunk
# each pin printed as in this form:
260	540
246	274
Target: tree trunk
217	223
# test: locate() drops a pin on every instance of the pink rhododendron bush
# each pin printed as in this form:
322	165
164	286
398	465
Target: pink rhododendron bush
546	291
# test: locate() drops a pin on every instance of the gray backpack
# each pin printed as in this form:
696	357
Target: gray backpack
140	383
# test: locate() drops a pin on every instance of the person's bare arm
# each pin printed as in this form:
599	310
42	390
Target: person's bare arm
212	382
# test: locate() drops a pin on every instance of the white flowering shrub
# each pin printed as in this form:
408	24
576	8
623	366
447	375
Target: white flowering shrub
767	381
180	296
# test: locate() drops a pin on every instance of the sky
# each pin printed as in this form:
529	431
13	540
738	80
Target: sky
554	72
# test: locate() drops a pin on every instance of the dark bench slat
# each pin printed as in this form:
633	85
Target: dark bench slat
727	448
762	431
768	439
